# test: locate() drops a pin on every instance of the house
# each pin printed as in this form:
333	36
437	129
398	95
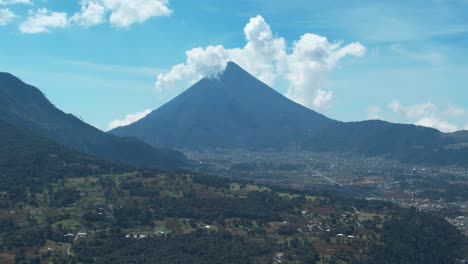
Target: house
82	234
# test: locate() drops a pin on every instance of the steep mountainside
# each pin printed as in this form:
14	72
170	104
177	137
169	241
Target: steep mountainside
30	162
25	106
236	110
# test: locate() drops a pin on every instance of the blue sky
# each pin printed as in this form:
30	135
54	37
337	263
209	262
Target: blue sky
408	63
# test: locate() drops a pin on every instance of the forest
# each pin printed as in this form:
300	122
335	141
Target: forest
59	206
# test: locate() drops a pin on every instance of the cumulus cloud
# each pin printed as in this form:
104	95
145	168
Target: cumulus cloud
42	20
258	57
374	113
429	115
92	13
312	59
124	13
304	66
437	123
320	99
6	16
413	111
13	2
128	119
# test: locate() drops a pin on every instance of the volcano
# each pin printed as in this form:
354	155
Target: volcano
236	110
233	109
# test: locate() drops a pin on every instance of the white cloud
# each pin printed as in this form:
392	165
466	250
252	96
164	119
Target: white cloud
321	98
414	111
42	20
124	13
258	57
305	67
6	16
13	2
309	65
437	123
92	13
466	127
429	115
128	119
374	113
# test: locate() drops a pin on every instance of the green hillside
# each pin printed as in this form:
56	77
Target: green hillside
149	217
26	106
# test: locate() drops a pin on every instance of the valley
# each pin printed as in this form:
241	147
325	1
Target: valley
430	188
99	219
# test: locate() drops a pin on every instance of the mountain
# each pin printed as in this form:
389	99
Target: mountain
26	106
374	137
31	162
234	110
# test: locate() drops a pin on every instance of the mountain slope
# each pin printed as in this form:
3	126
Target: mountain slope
374	137
29	162
25	106
234	110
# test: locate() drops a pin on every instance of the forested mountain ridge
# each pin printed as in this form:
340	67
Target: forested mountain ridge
26	106
29	163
